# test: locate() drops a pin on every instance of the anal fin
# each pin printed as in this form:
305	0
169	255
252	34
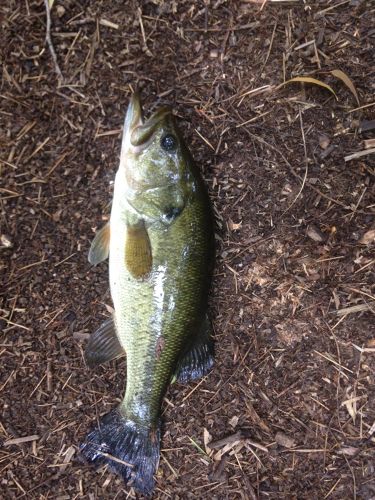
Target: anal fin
103	345
99	249
199	359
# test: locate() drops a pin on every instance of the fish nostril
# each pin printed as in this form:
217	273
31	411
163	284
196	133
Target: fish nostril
172	212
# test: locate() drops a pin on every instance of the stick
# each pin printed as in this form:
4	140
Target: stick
49	41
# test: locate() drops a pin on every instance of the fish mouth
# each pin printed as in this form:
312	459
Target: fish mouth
139	130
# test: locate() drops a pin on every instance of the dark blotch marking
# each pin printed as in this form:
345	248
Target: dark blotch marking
172	212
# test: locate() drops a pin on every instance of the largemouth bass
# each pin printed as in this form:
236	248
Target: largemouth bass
160	243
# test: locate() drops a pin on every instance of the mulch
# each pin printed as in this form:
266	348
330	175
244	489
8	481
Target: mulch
288	410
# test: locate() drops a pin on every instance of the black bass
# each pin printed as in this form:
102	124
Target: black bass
160	243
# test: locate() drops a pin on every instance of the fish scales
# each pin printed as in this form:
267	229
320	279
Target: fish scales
161	306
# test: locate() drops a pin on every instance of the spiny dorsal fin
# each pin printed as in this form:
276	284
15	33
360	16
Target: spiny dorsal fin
103	345
99	249
138	254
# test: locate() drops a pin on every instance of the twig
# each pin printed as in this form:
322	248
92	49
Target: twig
49	41
353	156
306	163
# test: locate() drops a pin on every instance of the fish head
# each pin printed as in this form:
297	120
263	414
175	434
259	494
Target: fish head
158	177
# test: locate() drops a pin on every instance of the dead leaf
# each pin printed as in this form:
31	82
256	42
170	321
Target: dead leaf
368	237
344	78
284	440
308	79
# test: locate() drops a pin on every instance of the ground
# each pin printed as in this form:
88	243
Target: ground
292	390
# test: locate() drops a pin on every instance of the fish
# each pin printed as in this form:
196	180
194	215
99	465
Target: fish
160	244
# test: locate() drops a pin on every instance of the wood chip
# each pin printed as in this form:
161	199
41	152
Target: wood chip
353	309
359	154
20	440
368	237
233	438
109	24
315	233
284	440
349	450
366	125
324	141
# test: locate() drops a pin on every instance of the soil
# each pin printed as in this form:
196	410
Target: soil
288	410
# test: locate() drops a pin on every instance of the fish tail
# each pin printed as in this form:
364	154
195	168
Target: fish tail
130	450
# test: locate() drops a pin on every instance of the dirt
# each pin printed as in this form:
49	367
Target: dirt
288	410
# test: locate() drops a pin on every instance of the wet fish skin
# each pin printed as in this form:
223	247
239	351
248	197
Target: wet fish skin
161	253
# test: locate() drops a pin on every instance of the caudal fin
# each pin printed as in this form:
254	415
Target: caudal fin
130	450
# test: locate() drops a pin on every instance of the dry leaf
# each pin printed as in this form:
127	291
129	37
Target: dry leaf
344	78
308	79
368	237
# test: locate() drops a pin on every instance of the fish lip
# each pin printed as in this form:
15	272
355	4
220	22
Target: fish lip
138	132
141	135
134	114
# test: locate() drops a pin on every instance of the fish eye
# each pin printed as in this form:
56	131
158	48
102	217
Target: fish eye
168	142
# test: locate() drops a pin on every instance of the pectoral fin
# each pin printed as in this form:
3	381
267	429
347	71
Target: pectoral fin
138	253
99	249
199	359
103	345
